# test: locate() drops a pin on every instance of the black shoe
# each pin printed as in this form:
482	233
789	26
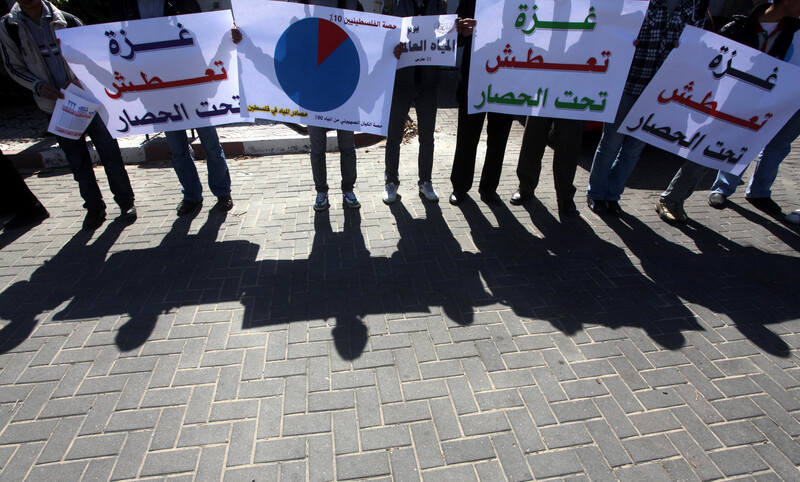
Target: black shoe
457	198
186	206
520	197
566	207
94	219
597	206
614	208
128	213
490	197
31	217
717	200
224	203
765	204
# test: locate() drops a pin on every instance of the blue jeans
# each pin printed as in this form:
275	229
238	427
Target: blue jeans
219	179
615	158
80	163
766	166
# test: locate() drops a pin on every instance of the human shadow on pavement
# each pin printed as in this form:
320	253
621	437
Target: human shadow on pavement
429	267
70	273
786	232
334	281
598	282
749	286
570	276
181	266
9	236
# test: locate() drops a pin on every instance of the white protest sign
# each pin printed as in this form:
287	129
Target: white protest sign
158	74
429	40
72	114
715	102
315	65
553	58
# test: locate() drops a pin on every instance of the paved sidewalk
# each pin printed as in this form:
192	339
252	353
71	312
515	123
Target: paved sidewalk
412	341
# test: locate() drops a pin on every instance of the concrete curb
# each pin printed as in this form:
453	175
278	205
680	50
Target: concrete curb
158	150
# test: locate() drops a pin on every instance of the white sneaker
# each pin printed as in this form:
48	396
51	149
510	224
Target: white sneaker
426	189
390	193
794	217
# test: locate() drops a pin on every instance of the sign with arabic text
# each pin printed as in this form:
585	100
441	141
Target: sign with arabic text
552	58
429	40
315	65
158	74
73	113
715	102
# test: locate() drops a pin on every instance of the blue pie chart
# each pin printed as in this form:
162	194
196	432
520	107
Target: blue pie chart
317	64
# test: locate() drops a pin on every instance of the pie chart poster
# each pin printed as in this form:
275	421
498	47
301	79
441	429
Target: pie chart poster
316	65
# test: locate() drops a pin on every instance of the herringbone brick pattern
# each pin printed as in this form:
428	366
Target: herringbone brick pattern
415	341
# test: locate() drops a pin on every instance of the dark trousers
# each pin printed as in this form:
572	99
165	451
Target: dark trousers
567	136
80	163
467	138
424	99
15	197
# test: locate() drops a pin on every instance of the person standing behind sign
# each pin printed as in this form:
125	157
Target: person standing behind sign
318	139
219	178
779	26
32	57
567	135
470	125
417	84
617	153
771	28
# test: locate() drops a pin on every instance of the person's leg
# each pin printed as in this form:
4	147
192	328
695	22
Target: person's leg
670	205
319	171
347	155
425	105
183	164
567	143
80	163
608	150
401	103
497	128
219	177
770	159
108	150
623	167
684	182
534	141
726	183
468	135
15	196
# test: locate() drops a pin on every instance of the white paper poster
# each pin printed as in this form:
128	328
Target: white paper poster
715	102
429	40
72	114
553	58
317	65
158	74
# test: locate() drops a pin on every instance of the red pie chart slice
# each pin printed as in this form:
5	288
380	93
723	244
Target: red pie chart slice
329	37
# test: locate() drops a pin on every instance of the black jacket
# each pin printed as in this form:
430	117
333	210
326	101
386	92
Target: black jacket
745	30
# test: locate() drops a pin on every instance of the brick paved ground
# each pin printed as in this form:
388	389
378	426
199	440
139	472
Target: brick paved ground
412	341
